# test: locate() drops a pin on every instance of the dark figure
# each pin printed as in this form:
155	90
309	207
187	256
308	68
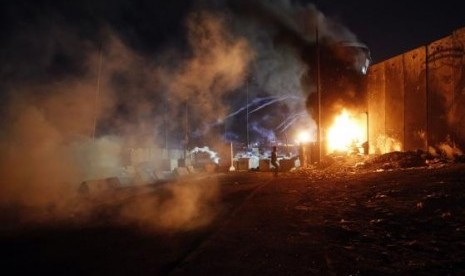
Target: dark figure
365	147
302	156
274	161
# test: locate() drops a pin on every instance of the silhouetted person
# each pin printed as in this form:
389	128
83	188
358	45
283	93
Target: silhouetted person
365	147
274	161
302	156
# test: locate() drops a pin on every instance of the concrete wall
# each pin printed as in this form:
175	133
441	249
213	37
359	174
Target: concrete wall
376	108
457	112
394	107
416	100
156	158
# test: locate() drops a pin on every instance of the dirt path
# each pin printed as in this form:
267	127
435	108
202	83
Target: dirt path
399	222
307	223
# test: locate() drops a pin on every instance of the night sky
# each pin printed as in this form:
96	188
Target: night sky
387	27
392	27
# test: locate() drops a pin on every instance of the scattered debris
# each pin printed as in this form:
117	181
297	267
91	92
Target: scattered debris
336	166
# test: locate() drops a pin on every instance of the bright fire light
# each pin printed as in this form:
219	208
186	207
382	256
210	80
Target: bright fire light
304	137
346	132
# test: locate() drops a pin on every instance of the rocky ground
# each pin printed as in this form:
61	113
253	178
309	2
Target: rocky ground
395	214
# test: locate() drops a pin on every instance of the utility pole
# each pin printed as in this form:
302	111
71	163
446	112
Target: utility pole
186	132
368	135
165	120
232	168
427	136
97	93
247	110
318	89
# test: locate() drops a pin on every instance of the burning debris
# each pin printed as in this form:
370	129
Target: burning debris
348	133
340	165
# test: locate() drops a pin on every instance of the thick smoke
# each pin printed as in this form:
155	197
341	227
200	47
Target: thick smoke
43	126
187	204
62	126
77	98
283	35
218	66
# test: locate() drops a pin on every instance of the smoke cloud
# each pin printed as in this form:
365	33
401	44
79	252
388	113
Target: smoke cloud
218	66
283	35
62	129
186	204
81	88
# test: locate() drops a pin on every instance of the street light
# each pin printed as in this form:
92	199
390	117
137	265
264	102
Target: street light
232	168
303	138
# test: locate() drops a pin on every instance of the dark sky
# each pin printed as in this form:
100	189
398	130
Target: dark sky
393	27
387	27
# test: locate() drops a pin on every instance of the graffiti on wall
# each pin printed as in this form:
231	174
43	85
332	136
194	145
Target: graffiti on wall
430	92
446	88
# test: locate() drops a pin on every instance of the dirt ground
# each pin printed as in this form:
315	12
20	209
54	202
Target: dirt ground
355	218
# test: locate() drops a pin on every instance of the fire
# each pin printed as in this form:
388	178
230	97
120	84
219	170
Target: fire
347	132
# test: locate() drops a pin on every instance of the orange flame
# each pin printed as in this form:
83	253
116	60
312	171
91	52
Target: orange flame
347	132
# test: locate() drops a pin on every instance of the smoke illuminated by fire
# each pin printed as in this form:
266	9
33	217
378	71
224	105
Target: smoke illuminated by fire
347	132
81	103
49	147
213	155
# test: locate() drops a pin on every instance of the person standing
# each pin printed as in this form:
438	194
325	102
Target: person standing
274	161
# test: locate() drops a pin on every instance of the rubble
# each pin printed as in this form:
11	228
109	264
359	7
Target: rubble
340	165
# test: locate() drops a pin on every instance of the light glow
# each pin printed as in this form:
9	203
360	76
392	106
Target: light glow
348	132
304	136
